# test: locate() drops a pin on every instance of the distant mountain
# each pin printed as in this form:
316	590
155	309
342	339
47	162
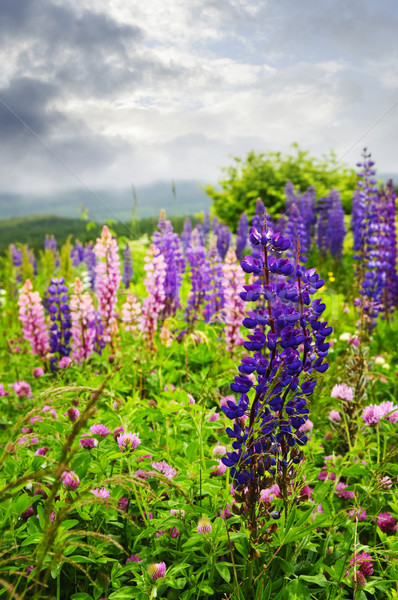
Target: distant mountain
188	199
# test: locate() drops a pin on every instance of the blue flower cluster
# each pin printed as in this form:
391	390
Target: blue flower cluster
288	346
241	236
57	303
330	226
127	266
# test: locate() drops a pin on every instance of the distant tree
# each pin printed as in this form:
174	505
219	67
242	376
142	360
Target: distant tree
264	175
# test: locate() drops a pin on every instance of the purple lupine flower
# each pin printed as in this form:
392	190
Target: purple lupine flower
99	341
50	244
154	304
295	232
241	236
206	224
108	281
330	225
157	570
199	274
168	244
57	304
127	266
388	246
224	238
186	235
77	254
214	297
16	256
91	261
288	340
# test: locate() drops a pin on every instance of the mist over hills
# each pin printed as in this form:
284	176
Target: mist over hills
110	203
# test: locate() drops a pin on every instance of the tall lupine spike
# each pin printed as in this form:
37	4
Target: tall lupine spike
388	201
214	297
224	237
168	243
206	223
77	254
368	229
31	315
83	330
330	226
16	256
91	261
294	230
199	275
336	225
57	303
127	266
131	313
50	243
241	235
288	342
234	307
154	304
186	234
107	281
307	204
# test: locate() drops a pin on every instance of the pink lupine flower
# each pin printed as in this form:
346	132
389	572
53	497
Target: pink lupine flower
342	392
358	514
133	558
335	416
70	480
341	492
64	362
219	469
128	442
234	309
386	522
22	389
42	451
157	570
270	493
154	304
219	451
214	417
164	468
108	281
83	330
204	525
2	391
38	372
372	414
131	313
100	429
31	315
87	442
102	493
72	413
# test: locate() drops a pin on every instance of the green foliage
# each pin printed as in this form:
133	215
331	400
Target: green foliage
264	175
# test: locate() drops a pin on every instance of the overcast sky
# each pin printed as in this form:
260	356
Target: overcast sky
132	91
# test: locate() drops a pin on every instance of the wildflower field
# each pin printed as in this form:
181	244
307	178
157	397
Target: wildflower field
211	415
